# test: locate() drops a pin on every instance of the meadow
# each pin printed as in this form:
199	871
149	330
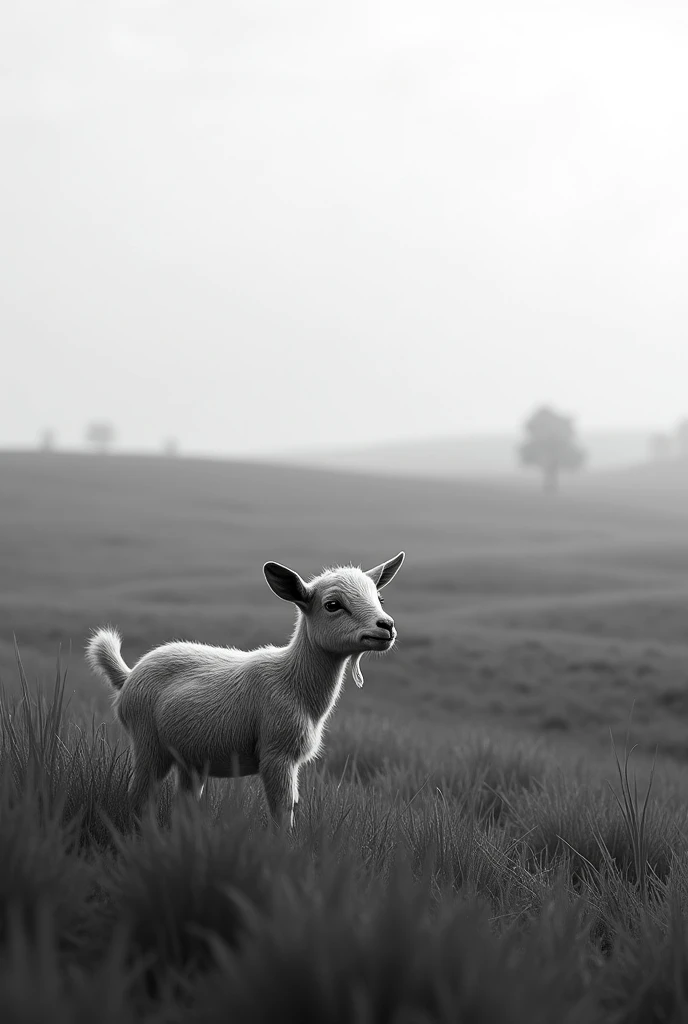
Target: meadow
466	849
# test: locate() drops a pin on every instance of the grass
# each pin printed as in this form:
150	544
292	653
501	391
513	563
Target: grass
511	612
441	870
425	882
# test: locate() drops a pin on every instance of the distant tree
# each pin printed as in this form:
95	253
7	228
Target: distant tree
551	445
660	447
47	441
171	447
682	439
100	435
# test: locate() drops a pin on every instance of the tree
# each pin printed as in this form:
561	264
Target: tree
47	442
100	435
660	447
551	445
682	439
171	447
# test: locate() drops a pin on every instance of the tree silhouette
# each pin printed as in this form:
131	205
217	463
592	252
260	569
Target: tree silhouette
100	435
47	442
660	447
682	439
550	445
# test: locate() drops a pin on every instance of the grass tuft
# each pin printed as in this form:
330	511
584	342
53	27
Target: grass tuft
470	880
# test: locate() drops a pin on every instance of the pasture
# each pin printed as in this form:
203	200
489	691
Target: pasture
459	855
552	618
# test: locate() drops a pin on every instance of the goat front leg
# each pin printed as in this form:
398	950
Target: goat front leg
295	795
191	782
280	780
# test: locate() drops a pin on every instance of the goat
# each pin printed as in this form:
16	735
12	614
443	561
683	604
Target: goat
222	712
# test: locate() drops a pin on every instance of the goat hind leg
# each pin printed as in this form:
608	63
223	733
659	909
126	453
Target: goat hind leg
151	765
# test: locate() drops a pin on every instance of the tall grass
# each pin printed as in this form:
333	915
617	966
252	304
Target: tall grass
467	881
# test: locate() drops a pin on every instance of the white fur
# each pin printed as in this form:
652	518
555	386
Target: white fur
219	711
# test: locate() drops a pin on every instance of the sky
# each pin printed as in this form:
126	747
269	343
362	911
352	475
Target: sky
259	226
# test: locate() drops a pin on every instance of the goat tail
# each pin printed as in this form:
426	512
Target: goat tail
103	655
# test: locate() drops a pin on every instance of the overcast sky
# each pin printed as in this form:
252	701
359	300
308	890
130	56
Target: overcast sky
259	225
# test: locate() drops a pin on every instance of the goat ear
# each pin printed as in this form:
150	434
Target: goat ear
286	583
383	574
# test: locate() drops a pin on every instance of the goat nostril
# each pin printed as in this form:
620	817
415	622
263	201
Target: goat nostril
387	624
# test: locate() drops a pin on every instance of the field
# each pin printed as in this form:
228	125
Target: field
460	828
511	611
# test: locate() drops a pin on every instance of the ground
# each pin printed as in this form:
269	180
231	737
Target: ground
465	849
554	617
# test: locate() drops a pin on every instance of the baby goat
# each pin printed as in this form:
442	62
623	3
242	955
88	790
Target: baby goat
223	712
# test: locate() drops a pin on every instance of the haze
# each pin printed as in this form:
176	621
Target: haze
262	226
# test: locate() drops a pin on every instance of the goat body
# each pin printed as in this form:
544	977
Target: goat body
222	712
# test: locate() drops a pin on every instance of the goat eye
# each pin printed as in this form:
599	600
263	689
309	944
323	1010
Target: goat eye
332	606
380	599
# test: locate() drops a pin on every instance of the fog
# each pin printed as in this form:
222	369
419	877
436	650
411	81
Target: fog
260	226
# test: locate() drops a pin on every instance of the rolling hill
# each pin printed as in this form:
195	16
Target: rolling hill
511	609
472	456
